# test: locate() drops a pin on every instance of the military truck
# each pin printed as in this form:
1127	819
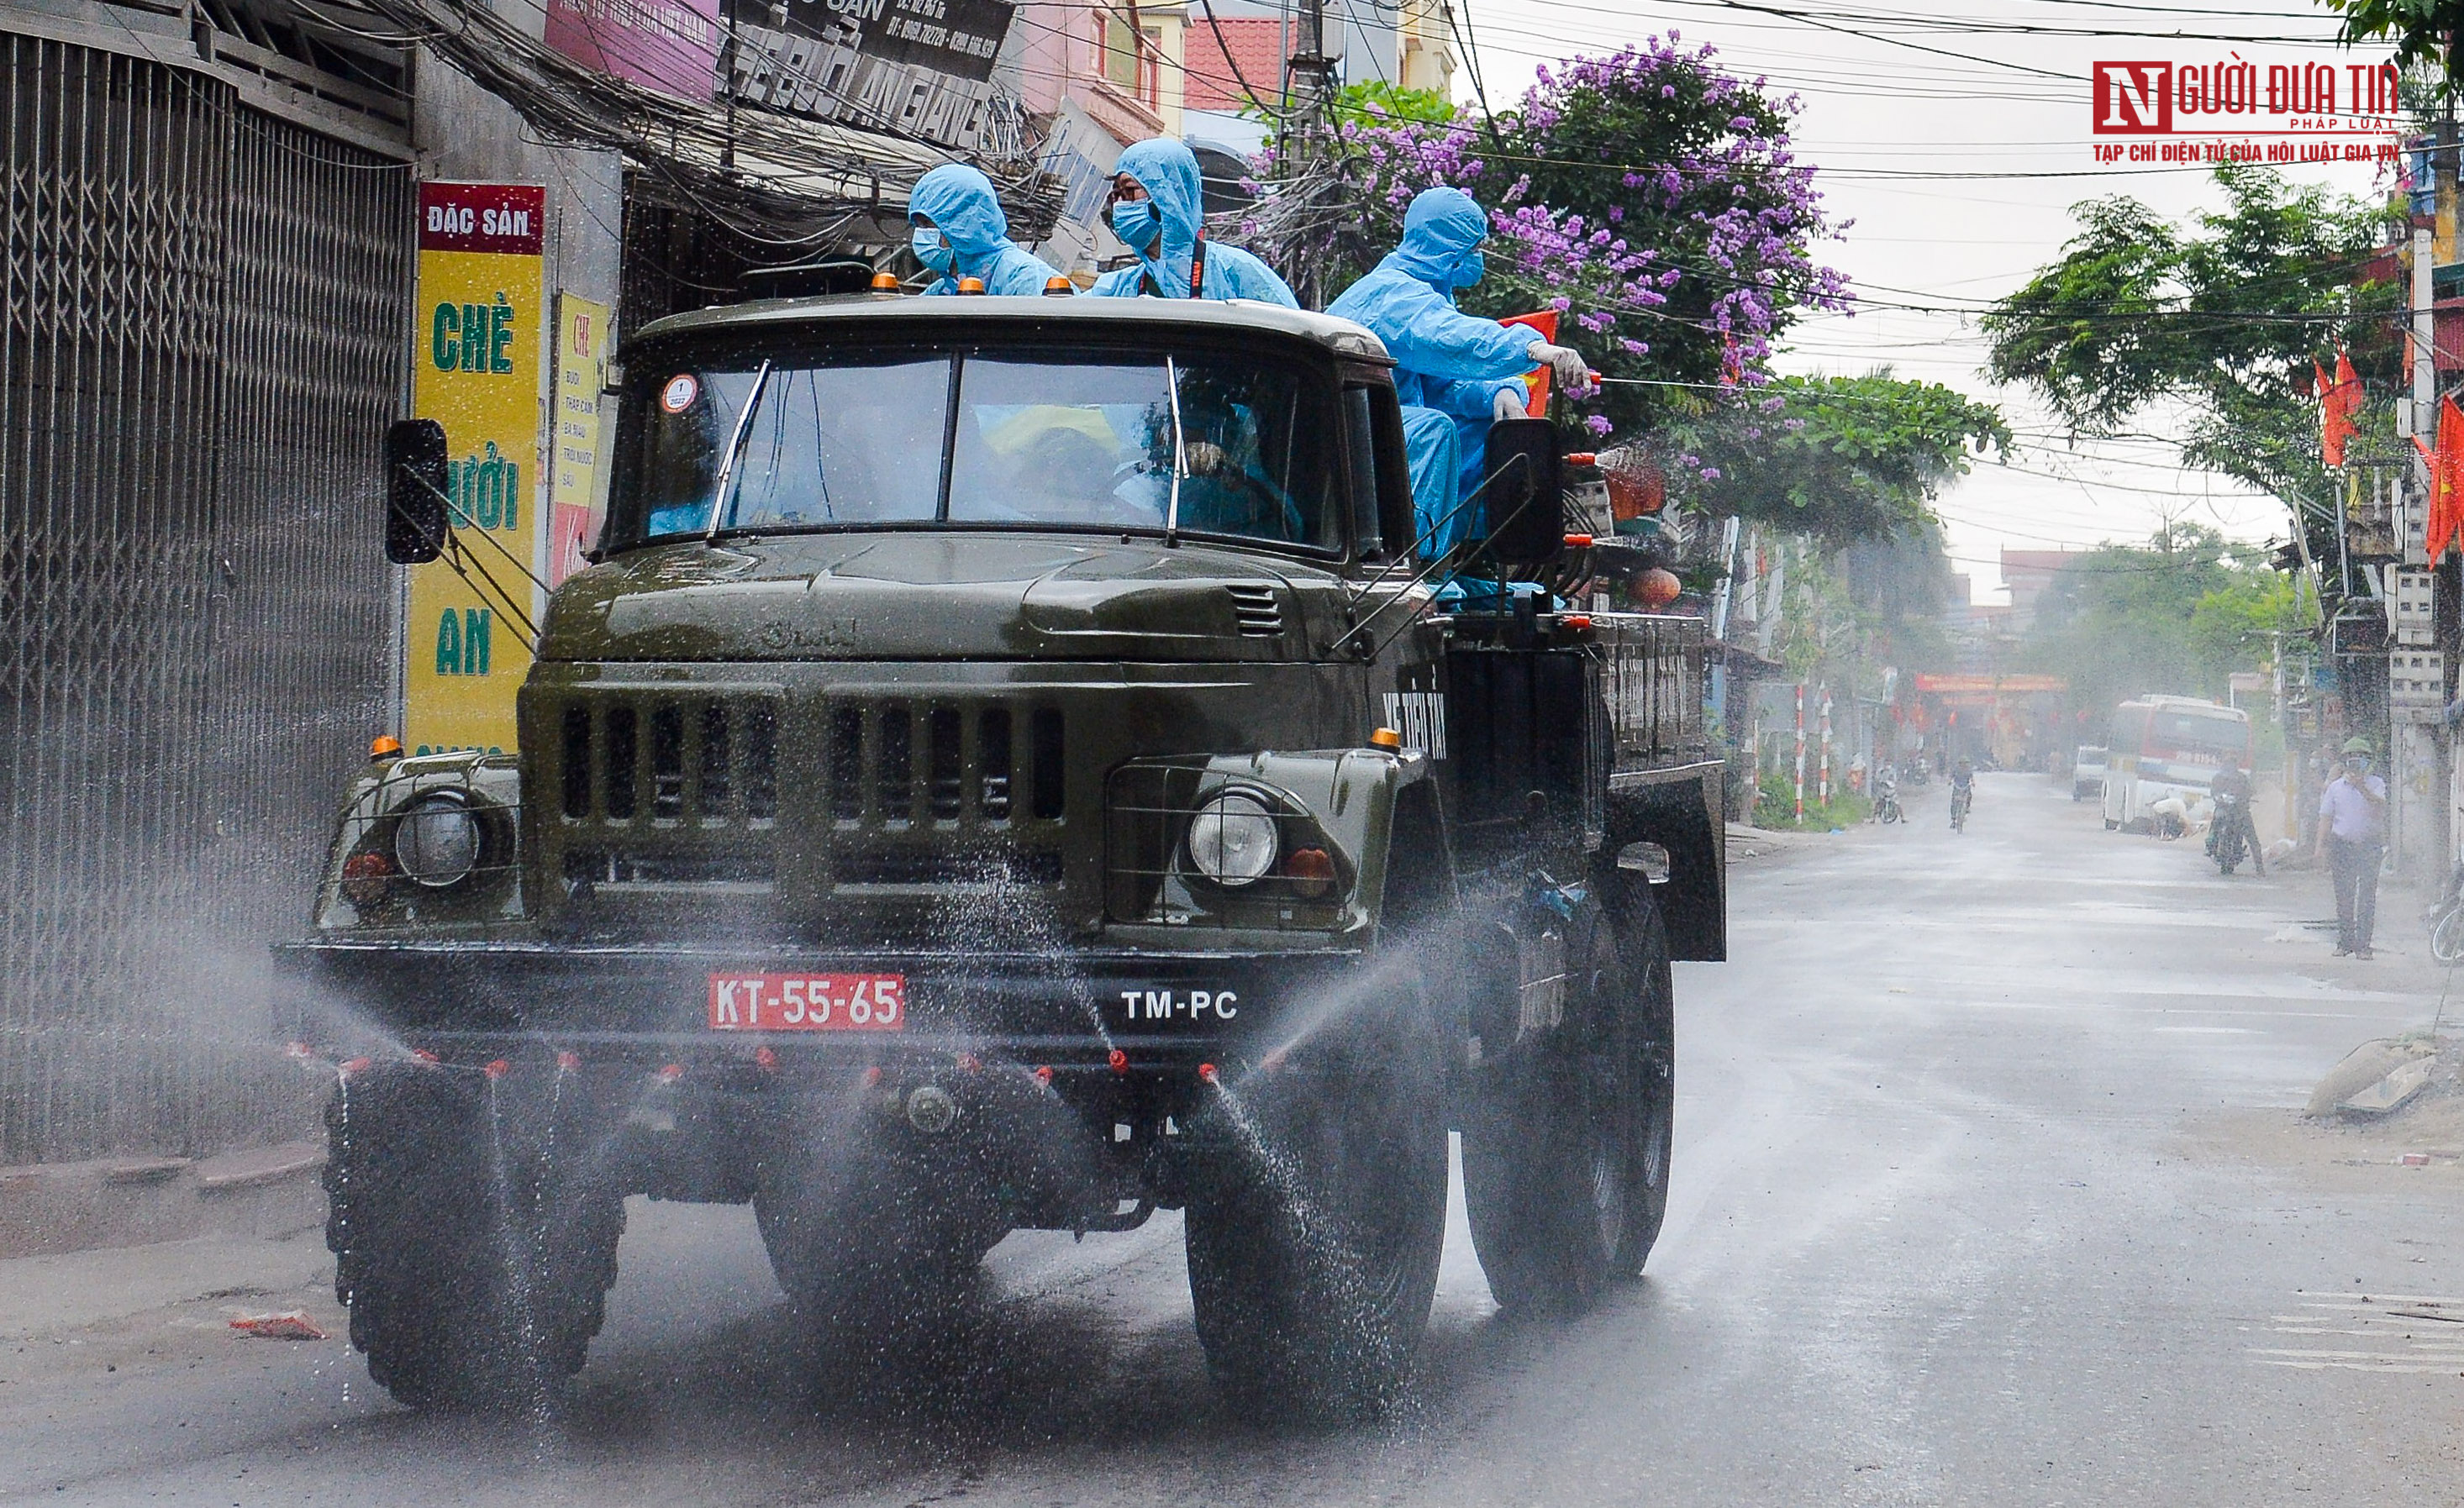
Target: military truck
1010	767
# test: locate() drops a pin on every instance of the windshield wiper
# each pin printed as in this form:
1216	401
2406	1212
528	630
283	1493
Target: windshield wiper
1179	456
722	495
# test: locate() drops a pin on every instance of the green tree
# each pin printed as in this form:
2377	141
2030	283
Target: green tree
1902	584
1377	102
2424	31
1650	198
2223	317
2177	615
2237	625
1840	459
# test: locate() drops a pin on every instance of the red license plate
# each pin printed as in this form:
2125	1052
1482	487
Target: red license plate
807	1002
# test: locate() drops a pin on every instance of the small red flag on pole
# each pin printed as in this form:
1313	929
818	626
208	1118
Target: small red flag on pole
2446	482
2339	399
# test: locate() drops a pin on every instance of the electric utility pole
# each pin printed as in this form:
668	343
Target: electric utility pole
1308	129
2446	572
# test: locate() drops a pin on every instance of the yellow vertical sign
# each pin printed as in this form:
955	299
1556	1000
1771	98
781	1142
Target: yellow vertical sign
573	450
482	289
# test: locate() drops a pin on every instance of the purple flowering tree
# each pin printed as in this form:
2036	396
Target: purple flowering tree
1650	196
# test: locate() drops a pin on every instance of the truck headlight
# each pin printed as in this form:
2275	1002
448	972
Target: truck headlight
1232	840
437	841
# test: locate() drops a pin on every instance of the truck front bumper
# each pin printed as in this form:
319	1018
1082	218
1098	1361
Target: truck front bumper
1071	1009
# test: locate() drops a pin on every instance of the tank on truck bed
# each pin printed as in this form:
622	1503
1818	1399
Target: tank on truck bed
1006	769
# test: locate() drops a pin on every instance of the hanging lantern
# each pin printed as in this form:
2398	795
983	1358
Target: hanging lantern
1638	488
1659	587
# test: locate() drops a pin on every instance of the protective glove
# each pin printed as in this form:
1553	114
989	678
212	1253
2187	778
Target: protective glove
1509	404
1573	374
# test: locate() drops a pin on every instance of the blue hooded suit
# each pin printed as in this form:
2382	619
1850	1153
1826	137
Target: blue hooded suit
960	200
1449	365
1168	171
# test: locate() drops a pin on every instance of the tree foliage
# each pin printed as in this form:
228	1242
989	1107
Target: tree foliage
1849	612
2223	317
1376	103
2423	30
1651	197
2177	615
1841	459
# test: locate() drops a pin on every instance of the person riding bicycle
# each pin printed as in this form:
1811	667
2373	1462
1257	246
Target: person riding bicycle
1963	789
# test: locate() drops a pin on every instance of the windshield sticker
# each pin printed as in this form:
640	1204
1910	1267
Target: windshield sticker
679	393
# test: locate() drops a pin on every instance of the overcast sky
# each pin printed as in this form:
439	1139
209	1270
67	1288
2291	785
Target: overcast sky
1920	151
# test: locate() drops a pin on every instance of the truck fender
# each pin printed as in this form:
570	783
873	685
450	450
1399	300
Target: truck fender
1353	799
1680	810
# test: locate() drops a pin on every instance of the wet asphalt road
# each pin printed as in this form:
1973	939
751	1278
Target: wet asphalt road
1963	1214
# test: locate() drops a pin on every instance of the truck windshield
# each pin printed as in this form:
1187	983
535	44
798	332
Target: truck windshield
1210	444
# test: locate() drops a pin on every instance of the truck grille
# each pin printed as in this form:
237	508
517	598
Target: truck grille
1257	611
706	760
884	798
898	764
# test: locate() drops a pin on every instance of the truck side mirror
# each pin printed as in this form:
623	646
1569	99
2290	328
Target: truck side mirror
1526	504
415	483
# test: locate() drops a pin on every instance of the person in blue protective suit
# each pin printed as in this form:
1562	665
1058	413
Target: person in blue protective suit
958	231
1157	210
1455	374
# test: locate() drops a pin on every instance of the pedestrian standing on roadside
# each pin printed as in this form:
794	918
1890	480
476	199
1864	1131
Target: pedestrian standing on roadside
2352	835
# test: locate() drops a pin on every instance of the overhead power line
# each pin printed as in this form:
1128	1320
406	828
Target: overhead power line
773	178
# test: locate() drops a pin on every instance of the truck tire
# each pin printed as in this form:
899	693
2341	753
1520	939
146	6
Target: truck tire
475	1272
1316	1215
874	1242
1643	948
1568	1138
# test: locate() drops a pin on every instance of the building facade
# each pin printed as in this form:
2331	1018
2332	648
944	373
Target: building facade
229	270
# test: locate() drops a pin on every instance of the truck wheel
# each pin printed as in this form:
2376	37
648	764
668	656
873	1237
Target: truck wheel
476	1275
1316	1215
869	1243
1567	1144
1642	948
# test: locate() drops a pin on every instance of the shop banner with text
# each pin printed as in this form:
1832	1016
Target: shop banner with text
482	290
581	329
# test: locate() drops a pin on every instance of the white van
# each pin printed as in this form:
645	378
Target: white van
2087	773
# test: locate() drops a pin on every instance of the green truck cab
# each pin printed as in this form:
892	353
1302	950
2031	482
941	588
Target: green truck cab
1009	768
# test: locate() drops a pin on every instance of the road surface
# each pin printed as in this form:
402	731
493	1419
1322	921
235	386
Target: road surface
1987	1190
